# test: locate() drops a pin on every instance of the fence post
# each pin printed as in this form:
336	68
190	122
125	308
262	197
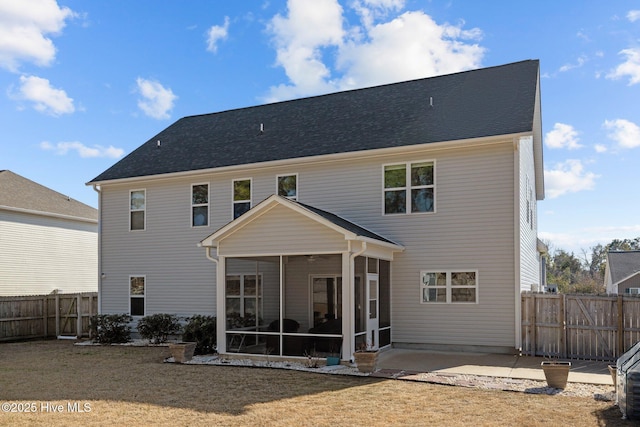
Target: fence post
532	325
79	319
45	316
57	315
620	347
563	326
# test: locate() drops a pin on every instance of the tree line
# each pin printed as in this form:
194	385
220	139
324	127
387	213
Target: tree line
585	274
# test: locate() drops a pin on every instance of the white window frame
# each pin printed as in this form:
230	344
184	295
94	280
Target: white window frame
449	286
242	297
408	187
143	210
143	296
636	291
297	186
234	202
199	205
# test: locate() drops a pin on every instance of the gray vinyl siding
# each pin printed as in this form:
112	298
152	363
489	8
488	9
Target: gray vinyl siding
632	282
472	229
529	260
179	278
40	254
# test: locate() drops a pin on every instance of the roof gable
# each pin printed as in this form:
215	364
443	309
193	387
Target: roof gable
349	230
623	265
479	103
21	194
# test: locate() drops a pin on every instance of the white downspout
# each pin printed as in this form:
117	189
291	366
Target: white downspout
221	341
97	189
347	295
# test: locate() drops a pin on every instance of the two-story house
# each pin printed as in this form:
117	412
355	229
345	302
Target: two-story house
48	241
402	214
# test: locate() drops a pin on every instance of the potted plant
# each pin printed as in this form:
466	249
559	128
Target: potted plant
334	355
366	358
556	373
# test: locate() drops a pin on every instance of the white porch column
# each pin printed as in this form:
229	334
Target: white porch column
221	322
348	341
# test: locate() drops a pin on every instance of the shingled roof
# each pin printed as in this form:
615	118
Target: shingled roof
19	193
623	264
479	103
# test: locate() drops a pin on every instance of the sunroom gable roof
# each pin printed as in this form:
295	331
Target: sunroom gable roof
348	229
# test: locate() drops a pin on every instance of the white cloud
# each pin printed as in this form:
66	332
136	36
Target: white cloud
579	63
24	30
562	136
600	148
633	15
568	177
630	68
298	38
217	33
83	151
45	98
157	101
623	132
411	45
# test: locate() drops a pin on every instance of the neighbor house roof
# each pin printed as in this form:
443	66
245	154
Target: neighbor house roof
623	264
472	104
21	194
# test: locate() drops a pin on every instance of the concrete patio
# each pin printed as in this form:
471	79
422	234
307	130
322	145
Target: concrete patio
491	365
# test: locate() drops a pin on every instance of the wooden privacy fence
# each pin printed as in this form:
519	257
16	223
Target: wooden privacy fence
590	327
45	316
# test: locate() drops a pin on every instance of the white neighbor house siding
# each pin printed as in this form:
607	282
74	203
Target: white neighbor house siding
41	254
472	230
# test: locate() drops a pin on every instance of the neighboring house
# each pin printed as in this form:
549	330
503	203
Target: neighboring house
622	273
402	214
48	242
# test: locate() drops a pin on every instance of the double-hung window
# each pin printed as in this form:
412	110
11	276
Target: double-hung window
409	188
288	186
137	206
458	286
199	205
136	295
241	196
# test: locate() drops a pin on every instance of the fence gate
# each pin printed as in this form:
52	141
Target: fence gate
590	327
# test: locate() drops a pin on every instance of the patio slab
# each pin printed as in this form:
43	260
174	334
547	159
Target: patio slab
486	364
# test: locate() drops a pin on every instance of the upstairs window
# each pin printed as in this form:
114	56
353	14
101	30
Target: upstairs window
241	196
288	186
409	188
137	206
199	205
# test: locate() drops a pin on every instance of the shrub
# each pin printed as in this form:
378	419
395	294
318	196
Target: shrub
202	330
157	327
110	328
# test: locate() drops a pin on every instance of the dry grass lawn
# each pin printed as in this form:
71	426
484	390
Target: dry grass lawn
131	386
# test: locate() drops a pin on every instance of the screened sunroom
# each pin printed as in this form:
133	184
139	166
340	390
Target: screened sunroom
297	281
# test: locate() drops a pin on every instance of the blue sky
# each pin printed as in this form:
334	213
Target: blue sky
86	82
